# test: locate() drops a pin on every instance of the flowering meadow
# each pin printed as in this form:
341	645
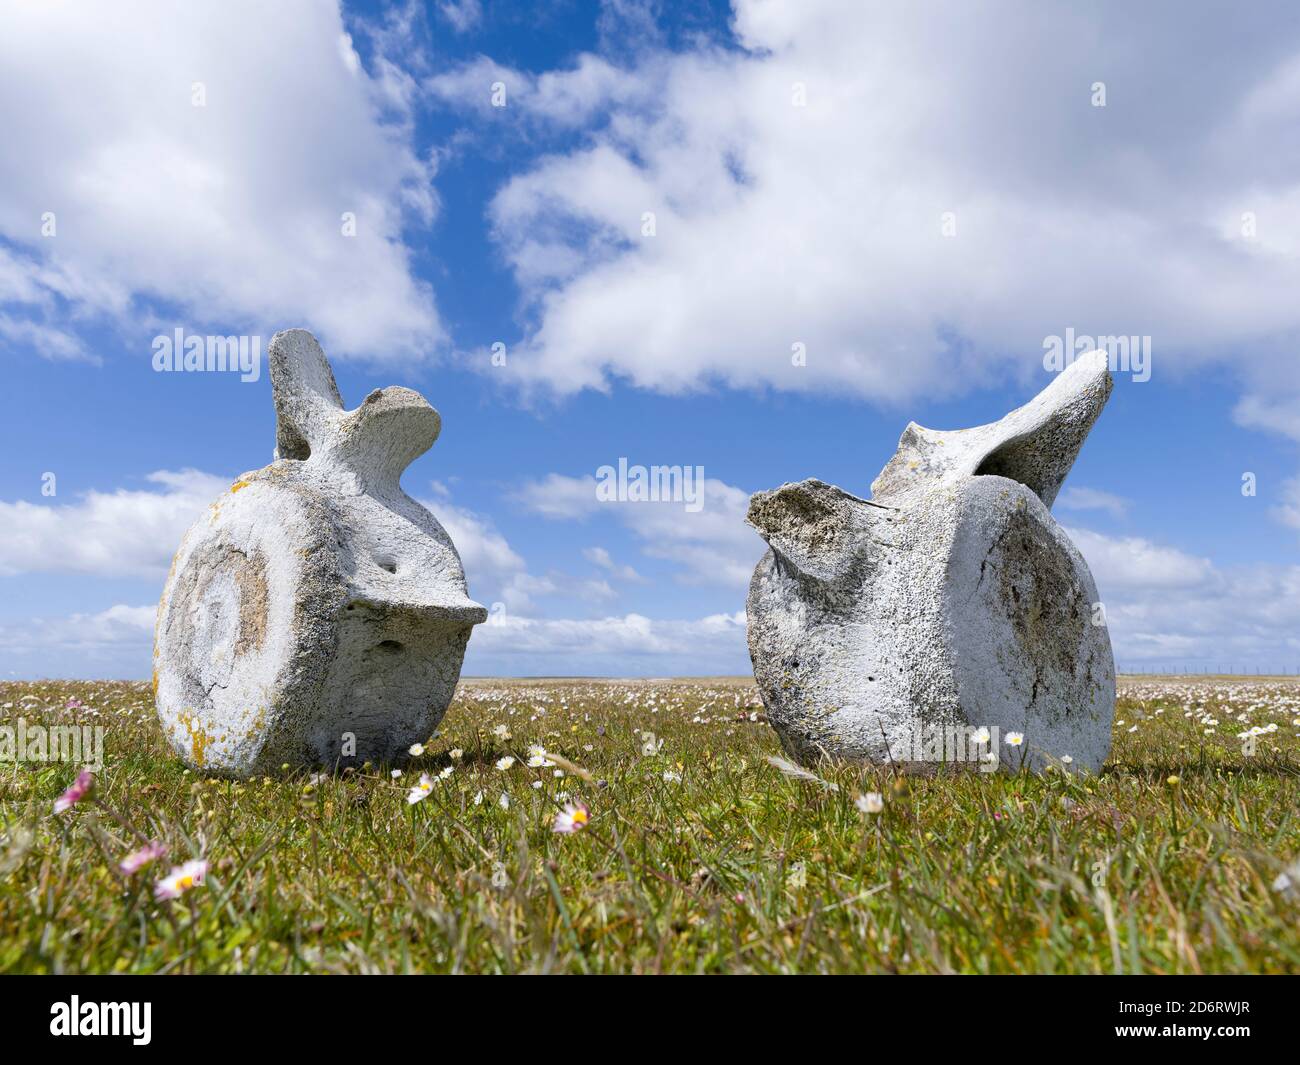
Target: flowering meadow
654	826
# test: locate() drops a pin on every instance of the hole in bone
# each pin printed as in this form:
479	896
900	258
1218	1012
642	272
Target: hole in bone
1024	460
388	647
293	446
386	563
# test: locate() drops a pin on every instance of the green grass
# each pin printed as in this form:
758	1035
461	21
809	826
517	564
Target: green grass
736	868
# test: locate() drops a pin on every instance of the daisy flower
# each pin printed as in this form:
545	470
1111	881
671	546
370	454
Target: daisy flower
573	818
138	859
421	790
505	763
1015	739
980	736
181	879
1288	881
416	749
870	803
79	790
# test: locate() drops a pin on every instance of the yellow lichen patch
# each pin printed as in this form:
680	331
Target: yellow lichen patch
257	725
199	738
238	485
252	725
155	684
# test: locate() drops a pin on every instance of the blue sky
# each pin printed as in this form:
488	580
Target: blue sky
1173	211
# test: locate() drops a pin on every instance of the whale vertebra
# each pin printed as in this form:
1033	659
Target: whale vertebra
949	600
316	614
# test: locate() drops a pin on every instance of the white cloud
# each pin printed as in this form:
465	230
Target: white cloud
1166	607
495	572
463	15
567	98
1131	562
711	546
125	533
229	212
1279	414
630	644
1288	511
134	533
599	556
559	496
779	224
1078	498
113	643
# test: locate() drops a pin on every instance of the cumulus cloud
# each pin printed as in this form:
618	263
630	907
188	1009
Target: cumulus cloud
599	556
565	99
113	643
712	545
1166	607
804	186
124	533
494	571
1131	562
631	645
461	15
228	212
1288	510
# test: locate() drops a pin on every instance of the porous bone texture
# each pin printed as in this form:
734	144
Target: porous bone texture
949	600
316	614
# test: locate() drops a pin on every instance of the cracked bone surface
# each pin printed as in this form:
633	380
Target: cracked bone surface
948	601
315	614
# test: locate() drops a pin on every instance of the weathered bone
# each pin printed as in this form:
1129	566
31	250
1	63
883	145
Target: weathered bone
951	599
316	614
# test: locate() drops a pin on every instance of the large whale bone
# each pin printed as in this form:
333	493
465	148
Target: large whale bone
949	601
316	614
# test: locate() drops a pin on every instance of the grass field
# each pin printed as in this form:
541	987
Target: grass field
700	855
